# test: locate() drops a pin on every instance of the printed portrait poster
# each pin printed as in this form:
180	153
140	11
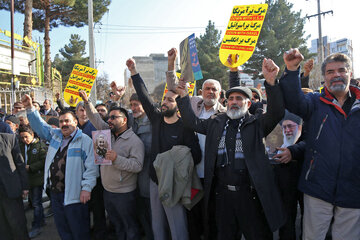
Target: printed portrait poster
102	143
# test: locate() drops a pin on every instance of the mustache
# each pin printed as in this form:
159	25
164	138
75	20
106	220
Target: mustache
235	107
65	127
337	79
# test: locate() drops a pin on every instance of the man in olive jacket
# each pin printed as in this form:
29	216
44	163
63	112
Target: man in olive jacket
237	167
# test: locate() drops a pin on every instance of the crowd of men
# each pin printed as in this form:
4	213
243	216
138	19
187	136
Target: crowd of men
196	167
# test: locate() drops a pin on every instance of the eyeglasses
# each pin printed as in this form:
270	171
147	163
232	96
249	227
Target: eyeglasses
289	126
113	117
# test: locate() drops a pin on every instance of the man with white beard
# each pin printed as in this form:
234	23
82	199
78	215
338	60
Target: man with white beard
287	172
237	169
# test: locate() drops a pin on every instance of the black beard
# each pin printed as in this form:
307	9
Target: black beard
169	112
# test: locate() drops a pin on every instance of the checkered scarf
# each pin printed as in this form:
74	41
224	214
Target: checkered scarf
223	159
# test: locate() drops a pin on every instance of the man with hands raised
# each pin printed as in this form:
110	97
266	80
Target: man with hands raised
69	171
330	178
237	168
167	131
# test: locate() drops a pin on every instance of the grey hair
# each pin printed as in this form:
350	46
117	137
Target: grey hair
213	81
80	104
50	102
336	57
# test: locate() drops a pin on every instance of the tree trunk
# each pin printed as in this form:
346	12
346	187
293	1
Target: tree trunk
47	61
28	23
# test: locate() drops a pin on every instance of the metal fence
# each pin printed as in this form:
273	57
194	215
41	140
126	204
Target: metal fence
39	94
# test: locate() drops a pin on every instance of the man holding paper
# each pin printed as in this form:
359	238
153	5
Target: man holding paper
119	179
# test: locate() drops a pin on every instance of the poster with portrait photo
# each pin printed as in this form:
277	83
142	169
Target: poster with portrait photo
102	143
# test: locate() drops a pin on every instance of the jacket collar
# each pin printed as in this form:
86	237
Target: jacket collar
217	107
125	135
329	99
59	134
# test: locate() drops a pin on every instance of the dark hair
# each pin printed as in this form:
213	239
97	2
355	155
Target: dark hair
222	93
26	128
53	121
336	57
134	97
122	110
67	111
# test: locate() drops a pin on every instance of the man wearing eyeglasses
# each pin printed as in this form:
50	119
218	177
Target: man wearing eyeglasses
120	178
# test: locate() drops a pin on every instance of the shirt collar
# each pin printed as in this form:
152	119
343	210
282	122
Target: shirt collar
72	134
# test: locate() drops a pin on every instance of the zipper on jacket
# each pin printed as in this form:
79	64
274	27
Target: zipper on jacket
308	171
321	127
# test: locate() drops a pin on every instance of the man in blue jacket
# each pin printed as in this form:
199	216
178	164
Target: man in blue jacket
69	170
330	177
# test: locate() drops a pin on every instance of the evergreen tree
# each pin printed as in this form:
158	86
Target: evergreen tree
208	52
71	54
48	14
103	87
283	29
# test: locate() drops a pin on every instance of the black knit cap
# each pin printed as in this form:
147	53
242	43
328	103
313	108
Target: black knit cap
244	90
292	117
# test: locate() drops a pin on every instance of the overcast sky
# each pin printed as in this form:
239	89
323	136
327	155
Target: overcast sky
139	28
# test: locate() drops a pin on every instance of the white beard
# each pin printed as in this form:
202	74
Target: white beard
237	113
291	140
209	102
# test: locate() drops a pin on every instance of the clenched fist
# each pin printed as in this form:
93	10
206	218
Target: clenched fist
270	70
292	59
130	63
26	101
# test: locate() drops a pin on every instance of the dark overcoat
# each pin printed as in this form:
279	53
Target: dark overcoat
253	132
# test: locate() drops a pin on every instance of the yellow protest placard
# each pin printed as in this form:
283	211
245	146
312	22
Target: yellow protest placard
191	87
81	78
242	33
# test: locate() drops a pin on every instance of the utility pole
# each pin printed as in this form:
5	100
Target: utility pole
12	55
91	48
320	42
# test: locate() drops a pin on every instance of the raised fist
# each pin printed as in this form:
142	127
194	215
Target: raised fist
292	59
172	54
270	70
308	66
130	63
26	101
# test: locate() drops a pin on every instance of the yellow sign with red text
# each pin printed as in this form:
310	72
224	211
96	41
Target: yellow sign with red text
81	78
242	33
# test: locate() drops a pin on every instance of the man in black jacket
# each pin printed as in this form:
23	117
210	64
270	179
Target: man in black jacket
237	167
47	110
167	131
13	187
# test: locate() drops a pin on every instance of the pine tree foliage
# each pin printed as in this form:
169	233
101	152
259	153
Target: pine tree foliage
283	29
71	54
208	46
